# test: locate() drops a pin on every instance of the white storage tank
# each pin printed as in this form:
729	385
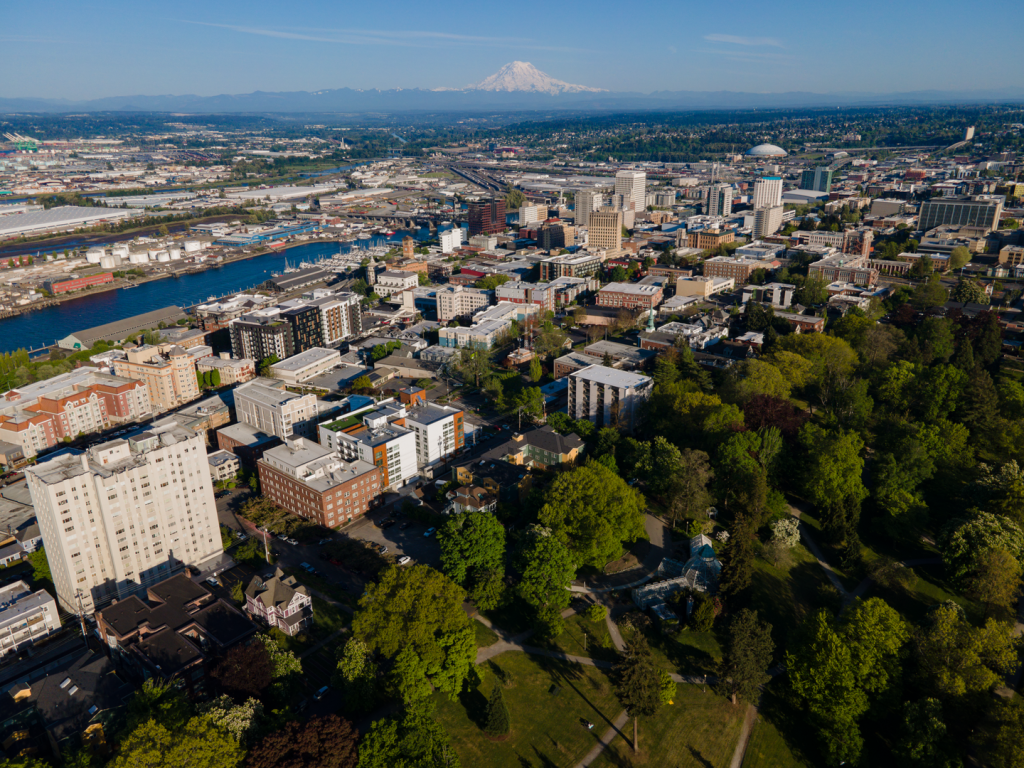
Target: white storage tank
153	253
163	256
120	251
109	262
191	246
139	258
93	255
174	252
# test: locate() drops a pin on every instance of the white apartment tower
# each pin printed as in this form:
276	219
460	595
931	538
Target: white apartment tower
767	220
768	192
719	200
125	514
587	201
531	214
632	185
451	240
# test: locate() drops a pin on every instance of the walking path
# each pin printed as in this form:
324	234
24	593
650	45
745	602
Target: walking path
606	739
741	745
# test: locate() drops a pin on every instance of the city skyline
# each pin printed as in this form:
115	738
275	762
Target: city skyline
79	53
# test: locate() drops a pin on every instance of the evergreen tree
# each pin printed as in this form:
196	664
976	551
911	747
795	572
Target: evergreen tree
499	723
750	653
639	685
738	557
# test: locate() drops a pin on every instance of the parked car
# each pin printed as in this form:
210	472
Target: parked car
429	531
212	581
407	524
387	523
321	693
382	550
404	559
306	567
282	537
291	541
323	541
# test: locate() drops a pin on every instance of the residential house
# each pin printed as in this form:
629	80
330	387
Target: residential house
281	602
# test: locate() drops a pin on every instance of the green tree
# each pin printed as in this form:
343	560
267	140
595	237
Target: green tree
242	721
970	291
958	660
244	671
490	282
514	198
692	478
832	474
415	740
930	293
409	677
995	580
547	569
214	378
923	740
265	365
420	609
964	540
362	383
755	377
639	684
593	511
959	257
356	677
536	371
748	657
201	744
472	548
1006	752
499	722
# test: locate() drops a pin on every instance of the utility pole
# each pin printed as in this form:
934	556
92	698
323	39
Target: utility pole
81	614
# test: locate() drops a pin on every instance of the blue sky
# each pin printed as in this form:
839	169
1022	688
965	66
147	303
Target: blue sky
81	50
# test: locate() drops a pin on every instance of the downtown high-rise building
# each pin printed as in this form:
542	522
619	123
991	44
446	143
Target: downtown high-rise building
587	201
767	192
125	514
487	218
605	231
632	185
719	200
817	179
767	220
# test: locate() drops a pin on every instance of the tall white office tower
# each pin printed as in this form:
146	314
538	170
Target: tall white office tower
126	514
768	192
632	185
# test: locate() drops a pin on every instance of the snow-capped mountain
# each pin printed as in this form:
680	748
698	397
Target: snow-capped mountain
523	77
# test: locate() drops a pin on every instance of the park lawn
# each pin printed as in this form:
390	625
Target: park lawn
929	590
699	730
547	728
829	553
686	653
484	635
596	645
768	749
784	595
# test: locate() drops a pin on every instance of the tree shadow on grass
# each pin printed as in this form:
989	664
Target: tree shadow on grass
701	760
568	674
790	721
475	704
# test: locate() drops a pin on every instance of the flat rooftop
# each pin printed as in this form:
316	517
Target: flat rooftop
305	359
611	376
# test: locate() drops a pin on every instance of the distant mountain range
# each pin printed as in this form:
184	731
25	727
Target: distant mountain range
516	86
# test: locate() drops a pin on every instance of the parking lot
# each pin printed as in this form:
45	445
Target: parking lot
399	540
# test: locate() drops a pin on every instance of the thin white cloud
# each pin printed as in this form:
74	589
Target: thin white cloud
739	40
399	38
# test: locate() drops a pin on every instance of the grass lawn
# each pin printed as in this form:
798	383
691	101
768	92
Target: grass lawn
931	588
686	653
484	635
830	553
698	730
581	638
784	595
768	749
547	727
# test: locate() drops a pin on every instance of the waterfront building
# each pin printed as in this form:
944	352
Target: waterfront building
487	218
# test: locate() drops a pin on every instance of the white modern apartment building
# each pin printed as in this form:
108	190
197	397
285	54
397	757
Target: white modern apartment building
375	438
608	397
719	200
125	514
395	282
767	192
587	201
632	185
266	406
306	365
531	214
25	616
459	301
451	240
439	431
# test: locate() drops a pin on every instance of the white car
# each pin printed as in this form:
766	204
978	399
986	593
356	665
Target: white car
404	559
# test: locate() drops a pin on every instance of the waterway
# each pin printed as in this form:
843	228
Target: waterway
40	328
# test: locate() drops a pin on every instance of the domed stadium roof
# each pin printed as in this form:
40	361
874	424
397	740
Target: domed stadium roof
767	150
